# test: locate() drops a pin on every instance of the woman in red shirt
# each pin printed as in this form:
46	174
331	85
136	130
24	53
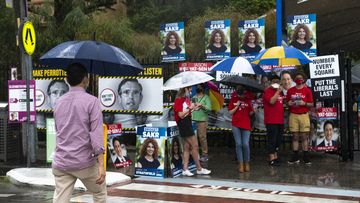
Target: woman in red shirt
182	113
240	108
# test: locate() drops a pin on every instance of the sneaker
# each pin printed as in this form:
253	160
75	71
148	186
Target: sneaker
274	162
187	173
306	158
203	171
295	159
204	158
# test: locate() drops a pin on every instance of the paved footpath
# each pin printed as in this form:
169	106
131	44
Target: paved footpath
160	191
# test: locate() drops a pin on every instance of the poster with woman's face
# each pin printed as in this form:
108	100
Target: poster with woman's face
302	33
131	95
150	151
252	37
172	37
217	39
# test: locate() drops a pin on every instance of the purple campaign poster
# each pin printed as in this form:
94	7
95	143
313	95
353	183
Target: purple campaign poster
17	101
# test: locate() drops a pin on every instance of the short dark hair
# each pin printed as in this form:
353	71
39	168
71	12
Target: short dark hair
53	82
274	77
328	122
285	72
129	80
299	73
75	73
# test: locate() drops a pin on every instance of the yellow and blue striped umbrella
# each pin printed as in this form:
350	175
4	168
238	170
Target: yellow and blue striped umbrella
281	56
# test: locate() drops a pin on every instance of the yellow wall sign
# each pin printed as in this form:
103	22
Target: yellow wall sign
28	37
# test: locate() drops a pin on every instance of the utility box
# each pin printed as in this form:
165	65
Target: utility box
10	136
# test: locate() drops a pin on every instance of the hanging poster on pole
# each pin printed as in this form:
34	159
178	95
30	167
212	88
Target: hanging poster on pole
17	101
302	33
217	39
50	139
172	36
325	130
325	77
252	37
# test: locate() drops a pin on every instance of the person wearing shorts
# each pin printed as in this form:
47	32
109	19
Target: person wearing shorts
299	100
182	112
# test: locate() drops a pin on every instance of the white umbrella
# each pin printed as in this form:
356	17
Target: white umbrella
186	79
237	65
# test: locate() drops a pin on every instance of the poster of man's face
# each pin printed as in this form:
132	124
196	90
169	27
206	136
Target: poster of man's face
135	95
48	92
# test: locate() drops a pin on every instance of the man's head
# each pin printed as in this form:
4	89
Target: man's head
130	94
77	75
328	130
55	90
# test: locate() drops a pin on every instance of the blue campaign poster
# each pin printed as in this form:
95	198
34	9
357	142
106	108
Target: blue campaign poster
302	33
217	39
172	37
150	151
252	37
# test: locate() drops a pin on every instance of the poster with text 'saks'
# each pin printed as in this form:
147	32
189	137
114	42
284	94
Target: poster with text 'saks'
172	37
252	37
217	39
325	130
302	33
325	77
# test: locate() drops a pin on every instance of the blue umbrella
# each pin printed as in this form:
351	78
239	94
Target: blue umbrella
98	57
238	65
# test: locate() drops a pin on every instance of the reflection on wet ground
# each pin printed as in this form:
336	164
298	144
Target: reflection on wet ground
326	169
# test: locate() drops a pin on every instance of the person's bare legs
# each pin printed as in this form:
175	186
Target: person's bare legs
193	144
186	155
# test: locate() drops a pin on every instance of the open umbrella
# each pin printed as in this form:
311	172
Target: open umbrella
186	79
217	100
248	83
98	57
281	56
237	65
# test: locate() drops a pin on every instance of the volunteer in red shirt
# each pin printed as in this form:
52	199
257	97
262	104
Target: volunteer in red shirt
182	113
274	118
240	108
299	99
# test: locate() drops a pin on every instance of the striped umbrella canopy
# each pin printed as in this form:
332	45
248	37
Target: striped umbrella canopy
238	65
281	56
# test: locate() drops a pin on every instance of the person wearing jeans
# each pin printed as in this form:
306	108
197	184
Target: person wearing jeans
240	108
200	116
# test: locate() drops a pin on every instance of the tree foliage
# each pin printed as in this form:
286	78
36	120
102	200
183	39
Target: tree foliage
253	7
9	51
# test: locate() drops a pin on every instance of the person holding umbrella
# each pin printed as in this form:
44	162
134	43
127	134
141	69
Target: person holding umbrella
274	118
241	109
299	99
182	111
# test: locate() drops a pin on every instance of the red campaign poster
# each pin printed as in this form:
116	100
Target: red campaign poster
325	130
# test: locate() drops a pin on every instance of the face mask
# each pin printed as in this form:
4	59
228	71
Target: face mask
240	91
275	86
199	90
299	81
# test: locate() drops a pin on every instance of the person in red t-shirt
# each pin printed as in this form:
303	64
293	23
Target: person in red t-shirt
240	108
182	113
274	118
299	99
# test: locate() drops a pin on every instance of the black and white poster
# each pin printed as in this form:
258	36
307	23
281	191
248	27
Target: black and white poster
130	95
325	77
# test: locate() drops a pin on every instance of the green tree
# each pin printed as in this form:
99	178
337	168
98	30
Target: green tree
253	7
9	52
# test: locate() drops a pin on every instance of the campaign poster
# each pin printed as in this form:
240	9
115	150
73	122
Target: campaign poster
172	36
150	151
50	139
195	66
252	37
175	152
325	130
302	33
48	91
325	77
131	95
18	101
217	39
118	145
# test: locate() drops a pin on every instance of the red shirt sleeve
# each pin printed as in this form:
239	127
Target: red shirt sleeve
310	96
288	95
231	103
267	96
178	105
